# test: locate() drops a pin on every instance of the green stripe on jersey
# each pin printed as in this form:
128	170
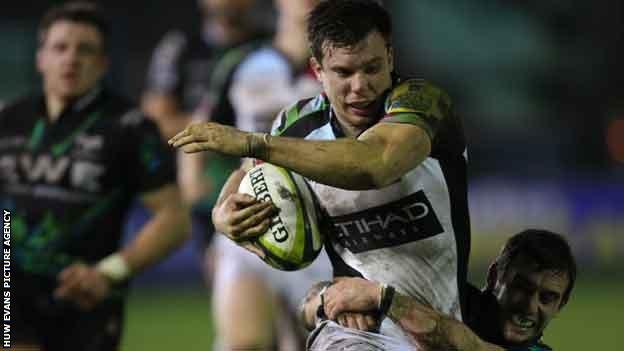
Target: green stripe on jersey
62	147
293	114
37	135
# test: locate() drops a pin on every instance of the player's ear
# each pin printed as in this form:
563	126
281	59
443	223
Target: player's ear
492	276
316	67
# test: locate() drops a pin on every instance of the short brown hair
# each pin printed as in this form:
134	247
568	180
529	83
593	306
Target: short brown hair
75	11
344	23
548	250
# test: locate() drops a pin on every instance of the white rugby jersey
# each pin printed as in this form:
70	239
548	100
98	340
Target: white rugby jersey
413	234
263	84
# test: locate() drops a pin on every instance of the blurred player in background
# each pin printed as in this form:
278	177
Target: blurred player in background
182	64
253	304
72	159
528	283
189	77
385	156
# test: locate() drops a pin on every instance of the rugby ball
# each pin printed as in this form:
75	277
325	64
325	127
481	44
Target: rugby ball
293	240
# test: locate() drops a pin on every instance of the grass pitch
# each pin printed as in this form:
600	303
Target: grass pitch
180	319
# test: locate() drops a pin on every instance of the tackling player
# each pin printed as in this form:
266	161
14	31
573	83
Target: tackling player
385	156
72	160
527	285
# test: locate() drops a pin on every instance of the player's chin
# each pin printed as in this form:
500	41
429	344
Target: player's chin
515	334
360	119
72	89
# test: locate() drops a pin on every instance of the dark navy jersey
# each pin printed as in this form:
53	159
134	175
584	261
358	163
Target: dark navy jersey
481	316
183	64
69	183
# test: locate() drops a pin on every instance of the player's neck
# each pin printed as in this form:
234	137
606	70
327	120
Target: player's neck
55	105
349	130
290	40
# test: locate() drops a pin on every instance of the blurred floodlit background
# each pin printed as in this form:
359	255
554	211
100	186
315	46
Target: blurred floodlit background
539	87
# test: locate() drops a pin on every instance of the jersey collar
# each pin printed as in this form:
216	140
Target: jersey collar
79	105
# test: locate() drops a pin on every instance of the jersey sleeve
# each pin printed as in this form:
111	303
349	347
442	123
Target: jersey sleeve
280	122
165	74
418	102
150	162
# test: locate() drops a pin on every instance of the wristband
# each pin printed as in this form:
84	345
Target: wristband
321	309
114	267
385	300
257	145
320	312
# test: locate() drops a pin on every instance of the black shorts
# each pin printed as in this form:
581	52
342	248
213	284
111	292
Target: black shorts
38	318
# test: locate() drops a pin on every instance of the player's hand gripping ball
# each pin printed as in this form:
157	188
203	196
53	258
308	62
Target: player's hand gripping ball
293	240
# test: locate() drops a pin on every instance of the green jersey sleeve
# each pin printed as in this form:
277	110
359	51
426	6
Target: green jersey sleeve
418	102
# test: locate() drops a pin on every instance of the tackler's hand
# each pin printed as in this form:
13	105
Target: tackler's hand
351	295
358	320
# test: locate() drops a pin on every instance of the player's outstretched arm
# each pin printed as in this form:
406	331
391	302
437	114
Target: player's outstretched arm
377	158
430	329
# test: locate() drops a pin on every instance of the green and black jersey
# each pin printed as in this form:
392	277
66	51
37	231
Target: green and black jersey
68	184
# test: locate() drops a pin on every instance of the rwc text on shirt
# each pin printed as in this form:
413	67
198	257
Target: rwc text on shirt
6	279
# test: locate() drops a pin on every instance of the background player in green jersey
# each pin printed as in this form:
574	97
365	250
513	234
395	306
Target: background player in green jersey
68	177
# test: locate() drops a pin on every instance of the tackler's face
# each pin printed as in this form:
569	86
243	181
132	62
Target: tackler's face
355	79
71	58
528	299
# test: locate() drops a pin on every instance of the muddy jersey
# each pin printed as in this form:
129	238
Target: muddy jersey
68	184
413	234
